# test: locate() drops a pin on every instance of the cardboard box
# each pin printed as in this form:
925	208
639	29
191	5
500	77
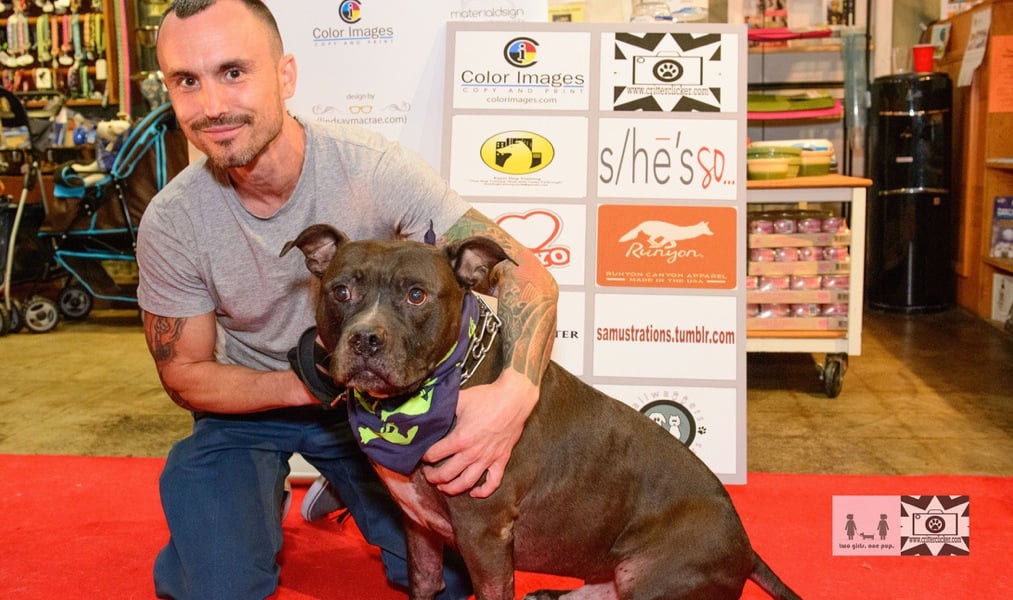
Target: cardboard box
798	240
1002	228
797	324
1002	297
801	267
837	296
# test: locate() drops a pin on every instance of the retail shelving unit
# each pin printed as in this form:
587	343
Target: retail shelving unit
982	150
848	195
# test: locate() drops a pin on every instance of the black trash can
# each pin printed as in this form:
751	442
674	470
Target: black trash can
910	233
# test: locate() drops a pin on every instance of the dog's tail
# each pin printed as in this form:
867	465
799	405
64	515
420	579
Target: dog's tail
765	577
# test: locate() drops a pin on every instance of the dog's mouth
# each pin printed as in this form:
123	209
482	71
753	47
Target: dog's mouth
372	378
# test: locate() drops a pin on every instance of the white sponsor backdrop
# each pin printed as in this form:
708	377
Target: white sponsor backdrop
613	152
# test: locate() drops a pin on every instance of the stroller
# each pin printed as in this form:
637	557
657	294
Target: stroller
91	221
28	134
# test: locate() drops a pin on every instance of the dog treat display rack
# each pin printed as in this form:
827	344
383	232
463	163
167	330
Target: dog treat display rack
805	269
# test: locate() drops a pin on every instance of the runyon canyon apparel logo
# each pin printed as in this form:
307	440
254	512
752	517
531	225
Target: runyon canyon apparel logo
662	239
672	246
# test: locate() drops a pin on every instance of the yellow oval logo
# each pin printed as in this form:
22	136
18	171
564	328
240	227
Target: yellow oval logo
517	152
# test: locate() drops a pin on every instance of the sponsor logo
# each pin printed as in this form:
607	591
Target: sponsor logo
661	69
660	238
350	11
674	418
538	230
521	52
517	152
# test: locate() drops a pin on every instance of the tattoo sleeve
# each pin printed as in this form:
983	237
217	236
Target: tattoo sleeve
162	335
526	294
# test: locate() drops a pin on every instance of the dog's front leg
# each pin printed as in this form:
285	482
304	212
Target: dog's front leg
487	547
425	561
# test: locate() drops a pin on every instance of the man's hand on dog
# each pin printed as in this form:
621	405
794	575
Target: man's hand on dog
490	419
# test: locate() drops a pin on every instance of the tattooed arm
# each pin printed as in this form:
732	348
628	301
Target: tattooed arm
183	349
490	418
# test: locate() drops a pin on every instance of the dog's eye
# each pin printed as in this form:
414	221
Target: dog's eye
416	296
342	293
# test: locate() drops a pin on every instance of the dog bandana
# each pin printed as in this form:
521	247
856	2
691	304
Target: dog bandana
396	432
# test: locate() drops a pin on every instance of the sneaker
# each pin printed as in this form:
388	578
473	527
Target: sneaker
320	501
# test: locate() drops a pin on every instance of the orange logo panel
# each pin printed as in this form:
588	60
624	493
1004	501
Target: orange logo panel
693	247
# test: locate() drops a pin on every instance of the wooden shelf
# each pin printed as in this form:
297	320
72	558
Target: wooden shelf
1000	264
999	163
816	181
982	151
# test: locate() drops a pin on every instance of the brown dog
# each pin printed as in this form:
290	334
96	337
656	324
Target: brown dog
593	490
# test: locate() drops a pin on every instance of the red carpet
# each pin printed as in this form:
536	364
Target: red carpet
81	527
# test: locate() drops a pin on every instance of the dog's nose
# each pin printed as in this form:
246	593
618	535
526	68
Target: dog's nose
367	343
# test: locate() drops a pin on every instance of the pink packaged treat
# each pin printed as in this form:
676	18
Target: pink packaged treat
836	282
752	310
806	282
761	254
806	310
761	226
786	254
810	253
769	283
835	253
835	310
775	310
809	225
752	282
784	226
833	224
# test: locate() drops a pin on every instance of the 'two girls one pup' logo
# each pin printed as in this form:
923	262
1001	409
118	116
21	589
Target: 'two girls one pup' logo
352	30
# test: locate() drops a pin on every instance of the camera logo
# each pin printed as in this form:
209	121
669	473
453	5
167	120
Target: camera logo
521	52
683	70
934	522
350	11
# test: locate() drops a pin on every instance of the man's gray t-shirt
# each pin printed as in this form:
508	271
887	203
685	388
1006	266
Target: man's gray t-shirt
200	251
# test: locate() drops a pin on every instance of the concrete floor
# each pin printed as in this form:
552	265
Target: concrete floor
930	394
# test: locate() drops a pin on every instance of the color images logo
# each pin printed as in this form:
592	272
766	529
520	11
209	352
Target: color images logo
350	11
521	52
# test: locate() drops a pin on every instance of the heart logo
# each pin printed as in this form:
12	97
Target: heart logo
536	229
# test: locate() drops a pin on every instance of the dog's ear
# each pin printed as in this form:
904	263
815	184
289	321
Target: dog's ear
473	259
318	243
